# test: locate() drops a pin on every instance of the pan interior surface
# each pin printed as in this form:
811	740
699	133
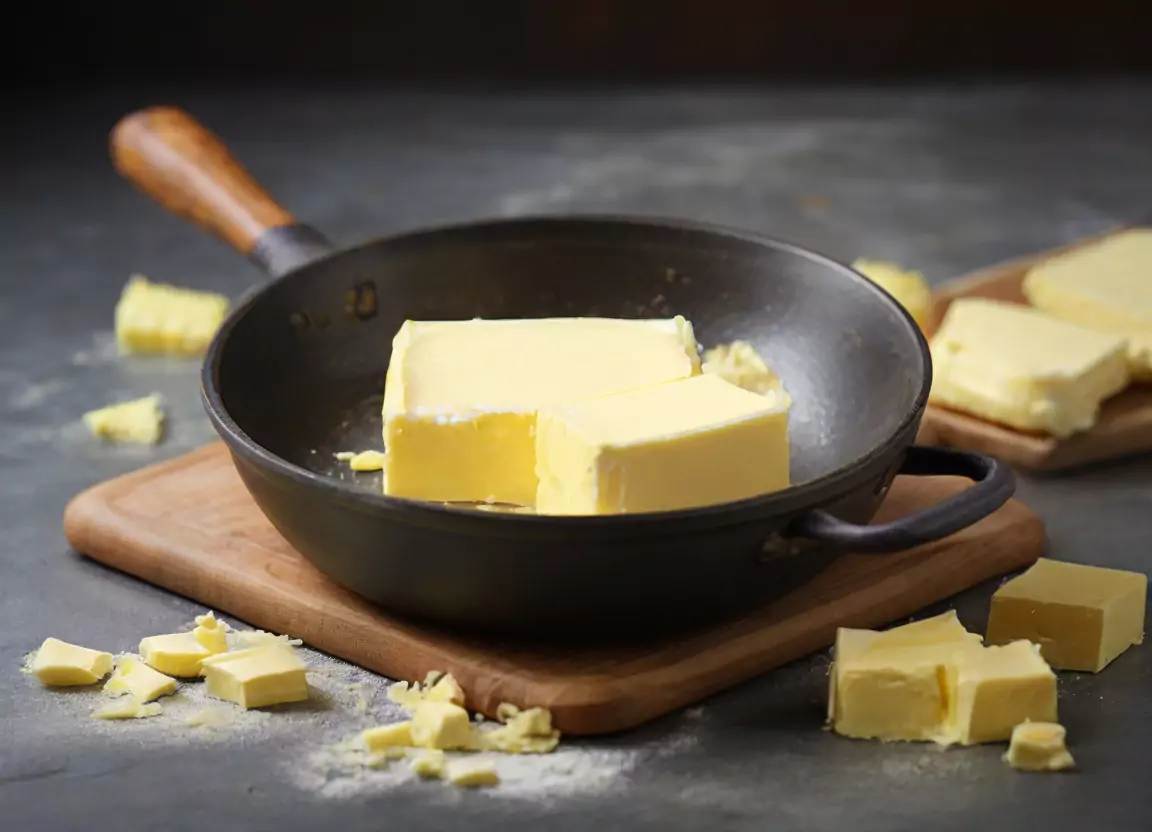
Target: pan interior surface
301	368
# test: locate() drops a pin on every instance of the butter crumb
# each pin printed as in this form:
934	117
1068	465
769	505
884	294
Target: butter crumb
525	732
132	676
140	421
211	632
472	775
367	461
128	709
429	765
738	363
1039	746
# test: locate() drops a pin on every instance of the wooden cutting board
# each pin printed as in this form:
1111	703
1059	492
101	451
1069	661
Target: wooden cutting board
1125	425
189	525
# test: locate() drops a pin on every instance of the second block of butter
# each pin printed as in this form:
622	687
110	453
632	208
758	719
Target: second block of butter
461	397
683	444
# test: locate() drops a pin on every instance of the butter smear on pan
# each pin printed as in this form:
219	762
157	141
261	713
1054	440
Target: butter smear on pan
1082	617
694	442
461	397
1107	287
1020	367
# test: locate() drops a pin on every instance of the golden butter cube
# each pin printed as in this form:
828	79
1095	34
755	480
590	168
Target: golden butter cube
429	765
684	444
908	288
472	775
1082	617
257	677
140	421
461	397
997	688
738	363
442	725
398	734
1105	286
132	676
176	654
158	318
1039	746
1017	366
60	664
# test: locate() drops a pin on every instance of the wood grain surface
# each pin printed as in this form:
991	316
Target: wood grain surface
1125	425
182	165
188	525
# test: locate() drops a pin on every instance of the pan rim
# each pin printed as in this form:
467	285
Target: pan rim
789	501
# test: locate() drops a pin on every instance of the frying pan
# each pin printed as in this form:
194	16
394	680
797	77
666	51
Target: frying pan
296	374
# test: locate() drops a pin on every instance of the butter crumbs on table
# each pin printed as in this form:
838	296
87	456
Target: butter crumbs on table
140	421
1082	617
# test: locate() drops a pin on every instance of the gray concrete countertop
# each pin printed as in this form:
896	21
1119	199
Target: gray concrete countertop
942	179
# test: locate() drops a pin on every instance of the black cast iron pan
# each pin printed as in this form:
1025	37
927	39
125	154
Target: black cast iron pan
297	371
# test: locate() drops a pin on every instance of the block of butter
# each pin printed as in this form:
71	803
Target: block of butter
140	421
909	288
994	689
257	676
175	654
688	443
1106	286
158	318
1015	365
60	664
461	397
1082	617
891	685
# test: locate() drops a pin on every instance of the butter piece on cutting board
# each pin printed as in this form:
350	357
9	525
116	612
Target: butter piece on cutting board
688	443
461	397
60	664
140	421
908	288
1105	286
158	318
257	677
1082	617
1020	367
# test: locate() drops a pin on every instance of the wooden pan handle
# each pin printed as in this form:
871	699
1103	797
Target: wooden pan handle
182	165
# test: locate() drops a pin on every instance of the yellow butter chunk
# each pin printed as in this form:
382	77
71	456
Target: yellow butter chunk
158	318
471	775
442	725
257	677
687	443
740	364
461	397
1020	367
211	633
438	687
898	692
430	764
909	288
1107	287
128	709
1082	617
177	654
132	676
382	737
997	688
367	461
525	732
60	664
1039	746
140	421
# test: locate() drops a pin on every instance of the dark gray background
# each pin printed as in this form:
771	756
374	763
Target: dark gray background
943	179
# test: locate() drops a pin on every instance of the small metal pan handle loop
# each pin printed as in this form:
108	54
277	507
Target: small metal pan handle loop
994	486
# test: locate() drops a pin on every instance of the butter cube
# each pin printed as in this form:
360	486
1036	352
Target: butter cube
442	725
997	688
1107	287
472	775
176	654
257	677
738	363
694	442
382	737
158	318
367	461
132	676
211	633
461	397
60	664
429	765
1039	746
1082	617
1022	368
140	421
908	288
